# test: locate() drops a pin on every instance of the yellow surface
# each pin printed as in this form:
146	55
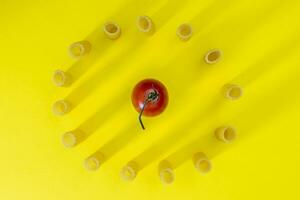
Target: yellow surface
260	41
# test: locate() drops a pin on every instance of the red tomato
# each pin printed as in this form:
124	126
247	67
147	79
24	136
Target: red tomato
149	98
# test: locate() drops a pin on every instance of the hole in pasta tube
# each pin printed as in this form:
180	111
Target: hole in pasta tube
79	49
166	176
72	138
61	78
202	163
184	32
232	91
112	30
226	134
129	172
93	162
61	107
213	56
166	172
69	140
145	24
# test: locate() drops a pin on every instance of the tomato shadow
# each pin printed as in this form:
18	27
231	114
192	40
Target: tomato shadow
284	51
208	144
234	28
209	15
106	72
115	66
166	12
192	55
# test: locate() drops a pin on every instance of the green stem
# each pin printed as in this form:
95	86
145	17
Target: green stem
152	97
141	113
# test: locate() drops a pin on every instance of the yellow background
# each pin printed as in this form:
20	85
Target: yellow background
260	40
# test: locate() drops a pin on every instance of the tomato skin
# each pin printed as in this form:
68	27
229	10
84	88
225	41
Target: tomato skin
139	95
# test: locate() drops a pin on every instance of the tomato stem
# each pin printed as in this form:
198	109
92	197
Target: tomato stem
152	97
141	113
